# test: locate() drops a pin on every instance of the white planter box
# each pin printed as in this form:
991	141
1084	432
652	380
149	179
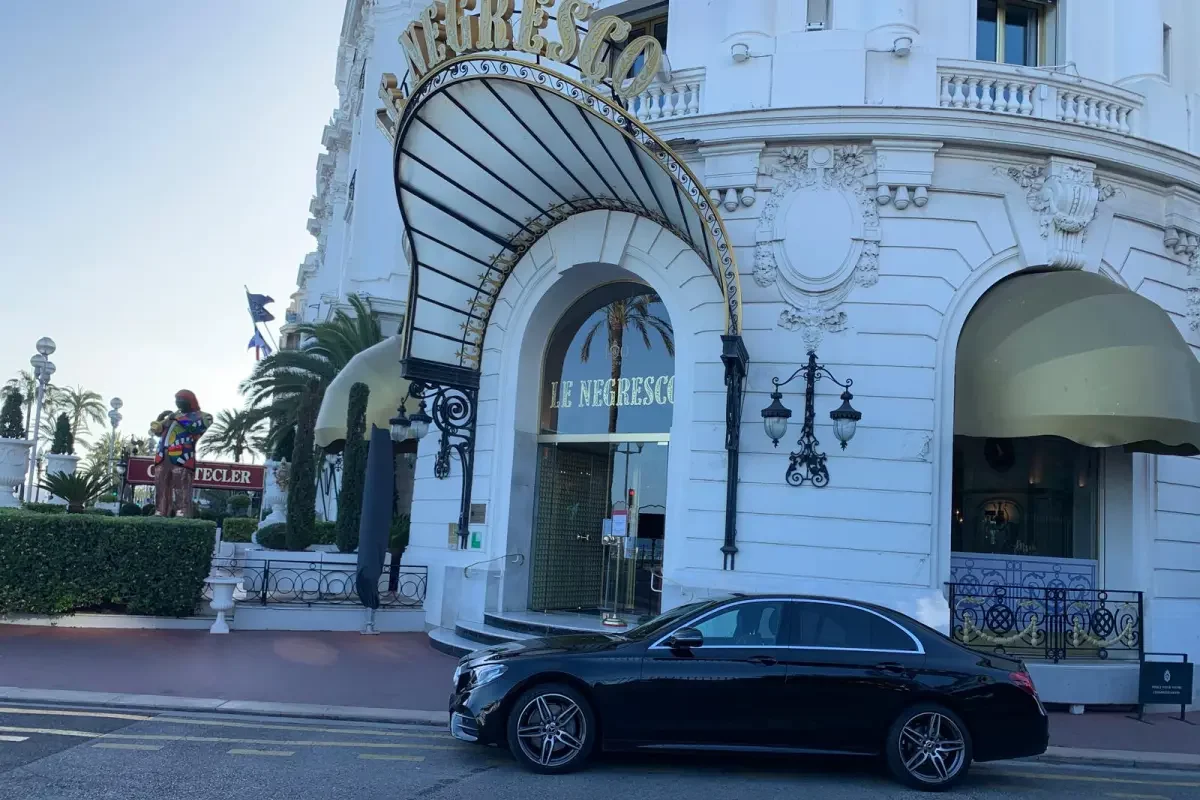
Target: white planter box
60	463
14	465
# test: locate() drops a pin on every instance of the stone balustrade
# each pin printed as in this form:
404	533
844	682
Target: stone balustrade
679	97
1038	94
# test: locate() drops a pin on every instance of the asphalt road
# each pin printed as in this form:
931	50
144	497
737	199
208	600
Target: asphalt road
81	754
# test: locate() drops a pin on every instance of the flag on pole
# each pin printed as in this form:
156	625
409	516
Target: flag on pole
261	348
258	307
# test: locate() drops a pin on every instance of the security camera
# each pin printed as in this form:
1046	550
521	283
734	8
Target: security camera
902	46
740	52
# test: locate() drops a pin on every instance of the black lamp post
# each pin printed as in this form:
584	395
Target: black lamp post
122	468
807	465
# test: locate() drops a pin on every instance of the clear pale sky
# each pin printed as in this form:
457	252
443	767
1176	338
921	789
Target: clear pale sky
157	156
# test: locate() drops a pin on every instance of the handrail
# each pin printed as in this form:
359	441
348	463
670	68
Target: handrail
518	560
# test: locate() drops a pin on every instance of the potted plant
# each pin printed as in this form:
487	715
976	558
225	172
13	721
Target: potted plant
62	456
14	449
78	490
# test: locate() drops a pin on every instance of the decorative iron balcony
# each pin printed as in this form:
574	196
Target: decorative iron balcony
1038	94
1054	623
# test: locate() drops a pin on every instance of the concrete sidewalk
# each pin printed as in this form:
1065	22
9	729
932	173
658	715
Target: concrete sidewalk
387	678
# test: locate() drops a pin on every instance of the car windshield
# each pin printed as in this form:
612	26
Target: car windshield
665	620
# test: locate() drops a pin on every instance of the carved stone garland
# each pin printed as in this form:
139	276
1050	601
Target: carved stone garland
818	236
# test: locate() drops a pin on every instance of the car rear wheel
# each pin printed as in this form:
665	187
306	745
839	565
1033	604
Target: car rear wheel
929	748
551	729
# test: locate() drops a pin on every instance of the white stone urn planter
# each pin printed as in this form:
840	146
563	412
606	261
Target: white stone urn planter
222	600
14	466
60	463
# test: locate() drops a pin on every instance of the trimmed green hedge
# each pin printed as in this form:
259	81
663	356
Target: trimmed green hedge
45	508
56	564
274	537
238	529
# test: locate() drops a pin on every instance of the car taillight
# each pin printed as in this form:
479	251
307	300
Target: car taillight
1022	680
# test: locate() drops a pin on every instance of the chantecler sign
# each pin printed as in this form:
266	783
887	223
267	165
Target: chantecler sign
446	29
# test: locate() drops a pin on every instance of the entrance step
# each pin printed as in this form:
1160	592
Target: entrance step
535	623
487	635
447	641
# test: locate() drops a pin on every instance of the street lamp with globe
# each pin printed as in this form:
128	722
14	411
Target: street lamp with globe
43	369
114	416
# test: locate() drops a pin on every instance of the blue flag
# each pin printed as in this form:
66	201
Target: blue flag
261	348
258	307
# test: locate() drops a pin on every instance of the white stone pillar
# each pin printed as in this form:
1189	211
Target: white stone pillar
1137	40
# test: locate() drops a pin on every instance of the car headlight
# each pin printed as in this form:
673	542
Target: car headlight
458	671
487	673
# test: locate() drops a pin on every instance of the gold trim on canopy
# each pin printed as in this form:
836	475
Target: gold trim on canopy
1074	355
379	368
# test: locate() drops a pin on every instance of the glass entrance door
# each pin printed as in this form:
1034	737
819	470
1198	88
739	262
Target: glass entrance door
599	528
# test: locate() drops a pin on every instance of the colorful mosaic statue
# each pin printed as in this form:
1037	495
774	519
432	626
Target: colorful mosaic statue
175	460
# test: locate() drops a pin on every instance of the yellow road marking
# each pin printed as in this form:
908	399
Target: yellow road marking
153	737
47	712
119	746
14	738
279	753
386	757
48	731
177	720
1094	779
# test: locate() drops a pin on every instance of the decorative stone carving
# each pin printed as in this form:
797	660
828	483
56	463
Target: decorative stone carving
1193	308
1065	194
731	173
818	236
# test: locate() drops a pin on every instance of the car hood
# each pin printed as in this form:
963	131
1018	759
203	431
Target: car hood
547	646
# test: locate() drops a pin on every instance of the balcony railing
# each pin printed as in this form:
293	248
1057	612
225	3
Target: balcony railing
1054	623
1037	94
679	97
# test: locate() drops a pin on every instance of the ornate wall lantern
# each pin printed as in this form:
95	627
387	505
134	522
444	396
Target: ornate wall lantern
807	465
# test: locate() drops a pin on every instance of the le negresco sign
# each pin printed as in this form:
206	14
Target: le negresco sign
445	30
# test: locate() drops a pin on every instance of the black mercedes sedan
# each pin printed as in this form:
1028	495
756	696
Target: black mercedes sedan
784	674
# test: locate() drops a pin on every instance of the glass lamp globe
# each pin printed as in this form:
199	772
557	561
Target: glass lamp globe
45	346
775	418
420	422
845	420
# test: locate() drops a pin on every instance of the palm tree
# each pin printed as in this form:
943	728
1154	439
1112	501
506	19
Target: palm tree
274	387
233	432
634	314
82	407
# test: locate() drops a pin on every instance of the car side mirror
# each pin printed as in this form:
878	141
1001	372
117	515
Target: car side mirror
686	639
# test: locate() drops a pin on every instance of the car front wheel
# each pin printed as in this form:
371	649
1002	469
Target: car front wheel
551	729
929	748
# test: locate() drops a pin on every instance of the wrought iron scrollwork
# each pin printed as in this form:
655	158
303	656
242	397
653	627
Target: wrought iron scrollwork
1052	622
454	411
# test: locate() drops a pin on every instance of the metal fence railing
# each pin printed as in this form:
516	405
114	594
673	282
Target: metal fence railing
1051	623
268	582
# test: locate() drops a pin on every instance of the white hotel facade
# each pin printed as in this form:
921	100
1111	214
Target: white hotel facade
984	213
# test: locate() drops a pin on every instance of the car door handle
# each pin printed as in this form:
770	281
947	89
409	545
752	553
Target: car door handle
766	661
892	667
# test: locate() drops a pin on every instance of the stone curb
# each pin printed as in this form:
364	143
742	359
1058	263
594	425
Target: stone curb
1123	759
246	707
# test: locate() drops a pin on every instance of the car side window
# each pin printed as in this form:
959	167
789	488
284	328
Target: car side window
744	625
844	627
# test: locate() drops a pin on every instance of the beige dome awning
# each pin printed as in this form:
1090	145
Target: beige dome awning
379	368
1072	354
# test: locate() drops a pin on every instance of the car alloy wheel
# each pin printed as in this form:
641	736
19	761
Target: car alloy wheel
929	748
551	729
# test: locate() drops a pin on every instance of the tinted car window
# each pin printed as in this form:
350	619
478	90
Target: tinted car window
744	625
664	620
844	627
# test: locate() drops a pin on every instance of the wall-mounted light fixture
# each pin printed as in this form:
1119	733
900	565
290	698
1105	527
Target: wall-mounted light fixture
807	465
